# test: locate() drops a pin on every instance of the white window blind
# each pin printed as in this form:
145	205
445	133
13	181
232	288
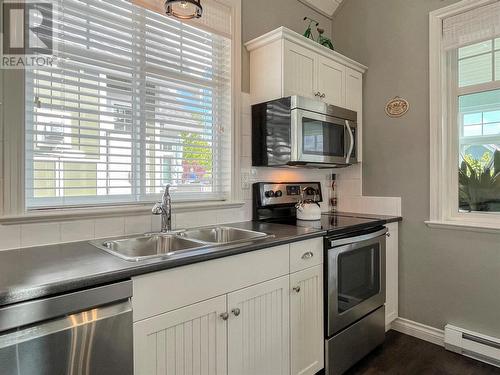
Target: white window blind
478	24
136	100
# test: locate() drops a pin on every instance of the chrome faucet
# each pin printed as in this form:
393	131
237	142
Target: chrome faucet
164	208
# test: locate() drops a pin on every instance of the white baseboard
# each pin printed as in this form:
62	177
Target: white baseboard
419	330
389	319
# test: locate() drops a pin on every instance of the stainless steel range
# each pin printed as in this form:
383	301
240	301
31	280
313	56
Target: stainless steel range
355	297
354	271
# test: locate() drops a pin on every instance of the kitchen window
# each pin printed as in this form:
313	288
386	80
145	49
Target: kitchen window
136	100
465	115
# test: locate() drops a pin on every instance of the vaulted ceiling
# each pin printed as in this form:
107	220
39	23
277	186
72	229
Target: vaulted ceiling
325	7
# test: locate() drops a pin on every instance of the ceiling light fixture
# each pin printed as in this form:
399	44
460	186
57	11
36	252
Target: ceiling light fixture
184	9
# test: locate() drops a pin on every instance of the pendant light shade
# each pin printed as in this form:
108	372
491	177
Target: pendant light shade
184	9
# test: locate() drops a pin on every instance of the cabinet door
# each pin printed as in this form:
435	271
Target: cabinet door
306	321
391	299
331	81
298	71
258	332
191	340
354	101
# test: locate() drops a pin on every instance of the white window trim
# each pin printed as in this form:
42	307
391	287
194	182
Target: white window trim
443	152
12	202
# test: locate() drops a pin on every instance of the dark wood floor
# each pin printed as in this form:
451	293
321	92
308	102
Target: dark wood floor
406	355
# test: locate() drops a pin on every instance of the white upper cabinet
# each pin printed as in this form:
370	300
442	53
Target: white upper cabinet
330	77
299	71
284	63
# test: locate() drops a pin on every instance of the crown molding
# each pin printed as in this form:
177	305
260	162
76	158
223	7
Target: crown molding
283	33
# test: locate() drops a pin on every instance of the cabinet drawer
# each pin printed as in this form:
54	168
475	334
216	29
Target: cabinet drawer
164	291
306	254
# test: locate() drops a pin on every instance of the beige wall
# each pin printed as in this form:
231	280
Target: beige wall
446	276
261	16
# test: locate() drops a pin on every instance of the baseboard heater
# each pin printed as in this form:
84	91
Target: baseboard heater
471	344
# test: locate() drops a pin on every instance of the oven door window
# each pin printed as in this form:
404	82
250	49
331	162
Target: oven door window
322	138
358	276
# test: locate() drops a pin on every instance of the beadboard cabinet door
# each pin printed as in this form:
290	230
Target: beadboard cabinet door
258	329
190	340
330	78
299	71
306	321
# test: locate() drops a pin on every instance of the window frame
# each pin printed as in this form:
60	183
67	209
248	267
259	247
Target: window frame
12	180
445	135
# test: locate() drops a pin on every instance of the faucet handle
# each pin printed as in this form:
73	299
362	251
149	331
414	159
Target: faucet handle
157	209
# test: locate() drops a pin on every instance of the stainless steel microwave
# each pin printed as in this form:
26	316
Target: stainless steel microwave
298	131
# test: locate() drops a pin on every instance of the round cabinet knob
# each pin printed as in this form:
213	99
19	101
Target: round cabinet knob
296	289
224	316
269	194
388	234
236	311
278	194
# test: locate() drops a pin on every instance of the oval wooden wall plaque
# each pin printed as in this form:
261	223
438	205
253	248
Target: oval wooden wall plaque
397	107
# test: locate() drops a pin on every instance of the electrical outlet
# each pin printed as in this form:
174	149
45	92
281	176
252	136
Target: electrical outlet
245	180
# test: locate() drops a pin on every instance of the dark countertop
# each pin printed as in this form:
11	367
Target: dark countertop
37	272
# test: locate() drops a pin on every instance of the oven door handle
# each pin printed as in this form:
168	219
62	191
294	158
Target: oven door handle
353	240
351	146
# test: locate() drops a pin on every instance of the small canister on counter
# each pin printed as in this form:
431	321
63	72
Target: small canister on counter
333	193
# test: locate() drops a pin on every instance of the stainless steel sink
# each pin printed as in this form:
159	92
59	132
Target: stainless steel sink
155	245
148	246
223	235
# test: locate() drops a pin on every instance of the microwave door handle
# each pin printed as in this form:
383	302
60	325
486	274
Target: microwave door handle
351	146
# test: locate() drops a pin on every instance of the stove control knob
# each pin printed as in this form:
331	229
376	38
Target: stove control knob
269	194
278	194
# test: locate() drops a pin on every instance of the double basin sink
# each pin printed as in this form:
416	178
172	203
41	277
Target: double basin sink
153	245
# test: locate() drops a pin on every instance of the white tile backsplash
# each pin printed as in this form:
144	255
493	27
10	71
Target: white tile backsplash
10	237
156	222
349	180
138	224
109	227
40	234
371	205
78	230
246	146
348	184
246	124
195	219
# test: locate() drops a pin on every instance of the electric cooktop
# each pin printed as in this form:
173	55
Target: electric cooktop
275	203
330	222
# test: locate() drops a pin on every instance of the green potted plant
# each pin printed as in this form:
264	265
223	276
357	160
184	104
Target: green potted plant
479	182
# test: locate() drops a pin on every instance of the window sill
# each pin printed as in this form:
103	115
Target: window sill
113	211
464	226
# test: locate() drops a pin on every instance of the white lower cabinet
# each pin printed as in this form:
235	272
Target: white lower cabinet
255	317
258	329
306	321
391	293
190	340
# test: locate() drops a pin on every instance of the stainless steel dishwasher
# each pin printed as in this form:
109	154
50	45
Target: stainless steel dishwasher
87	332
